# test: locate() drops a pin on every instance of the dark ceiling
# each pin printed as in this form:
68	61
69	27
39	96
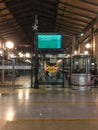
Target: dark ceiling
70	17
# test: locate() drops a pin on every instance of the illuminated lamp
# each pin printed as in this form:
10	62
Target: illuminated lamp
87	45
9	44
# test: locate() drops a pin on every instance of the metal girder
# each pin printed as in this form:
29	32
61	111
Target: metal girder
90	25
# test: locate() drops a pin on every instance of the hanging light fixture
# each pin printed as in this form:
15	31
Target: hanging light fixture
9	44
88	45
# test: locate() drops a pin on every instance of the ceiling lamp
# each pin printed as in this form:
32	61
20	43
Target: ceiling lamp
88	45
9	45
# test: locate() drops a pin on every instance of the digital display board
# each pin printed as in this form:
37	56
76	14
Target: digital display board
49	41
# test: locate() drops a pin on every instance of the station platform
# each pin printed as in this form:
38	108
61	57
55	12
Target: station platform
48	108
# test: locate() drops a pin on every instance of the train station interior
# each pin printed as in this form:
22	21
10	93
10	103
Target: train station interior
48	64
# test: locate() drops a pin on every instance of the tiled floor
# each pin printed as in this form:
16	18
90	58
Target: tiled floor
48	108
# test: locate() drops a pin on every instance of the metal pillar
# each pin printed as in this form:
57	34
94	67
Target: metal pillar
36	65
2	78
32	71
13	73
63	72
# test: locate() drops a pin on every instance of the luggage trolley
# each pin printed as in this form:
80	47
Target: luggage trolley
80	77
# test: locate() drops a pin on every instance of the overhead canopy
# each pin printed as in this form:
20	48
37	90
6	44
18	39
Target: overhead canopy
70	17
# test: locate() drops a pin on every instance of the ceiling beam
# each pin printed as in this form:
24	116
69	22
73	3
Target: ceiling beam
89	2
5	26
18	4
68	22
76	19
90	25
7	30
77	7
65	31
70	26
77	14
7	20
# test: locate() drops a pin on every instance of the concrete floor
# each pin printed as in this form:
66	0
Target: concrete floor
48	109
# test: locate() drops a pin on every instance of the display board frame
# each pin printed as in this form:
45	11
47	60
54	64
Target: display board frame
47	42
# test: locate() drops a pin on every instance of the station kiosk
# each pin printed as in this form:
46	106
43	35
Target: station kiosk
80	77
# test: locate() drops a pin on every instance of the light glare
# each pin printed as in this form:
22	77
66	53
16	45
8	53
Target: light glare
9	44
87	45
